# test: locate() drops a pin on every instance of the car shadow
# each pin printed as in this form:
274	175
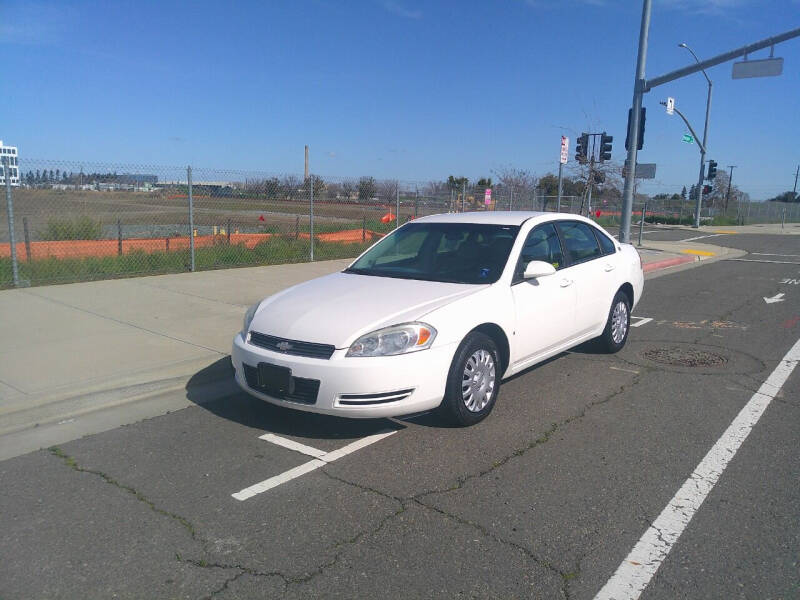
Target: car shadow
214	389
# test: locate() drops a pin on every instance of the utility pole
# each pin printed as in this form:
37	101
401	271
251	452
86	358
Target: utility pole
633	131
730	182
796	173
305	171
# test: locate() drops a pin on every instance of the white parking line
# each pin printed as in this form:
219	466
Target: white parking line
626	370
292	445
325	458
770	254
641	321
357	445
638	568
762	260
272	482
700	237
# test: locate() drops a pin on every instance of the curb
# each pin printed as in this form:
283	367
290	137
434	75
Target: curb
668	262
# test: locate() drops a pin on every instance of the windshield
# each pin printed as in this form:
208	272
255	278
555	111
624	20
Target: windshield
447	252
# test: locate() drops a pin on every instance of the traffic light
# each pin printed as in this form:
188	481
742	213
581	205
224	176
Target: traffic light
712	170
582	147
706	190
642	116
605	146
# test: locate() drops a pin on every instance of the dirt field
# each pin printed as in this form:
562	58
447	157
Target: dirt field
40	250
156	214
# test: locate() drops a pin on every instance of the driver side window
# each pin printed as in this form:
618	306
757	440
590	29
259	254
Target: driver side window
541	244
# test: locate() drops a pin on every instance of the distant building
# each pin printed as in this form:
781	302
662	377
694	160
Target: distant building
137	179
13	163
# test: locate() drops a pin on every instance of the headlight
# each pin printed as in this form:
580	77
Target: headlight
248	317
398	339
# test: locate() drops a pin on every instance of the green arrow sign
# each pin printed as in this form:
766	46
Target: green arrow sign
688	138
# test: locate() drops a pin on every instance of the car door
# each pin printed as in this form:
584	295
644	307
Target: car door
544	306
587	274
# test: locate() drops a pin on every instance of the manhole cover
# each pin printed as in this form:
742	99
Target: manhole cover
684	357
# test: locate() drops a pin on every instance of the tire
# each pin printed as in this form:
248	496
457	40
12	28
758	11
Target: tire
469	400
618	324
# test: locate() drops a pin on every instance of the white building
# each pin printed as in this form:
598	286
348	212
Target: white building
13	163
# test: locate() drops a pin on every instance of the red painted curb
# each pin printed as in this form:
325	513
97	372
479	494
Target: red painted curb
667	262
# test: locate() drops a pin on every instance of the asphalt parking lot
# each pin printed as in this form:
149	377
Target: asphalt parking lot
544	499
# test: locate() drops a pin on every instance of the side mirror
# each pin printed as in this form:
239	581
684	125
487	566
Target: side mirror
538	268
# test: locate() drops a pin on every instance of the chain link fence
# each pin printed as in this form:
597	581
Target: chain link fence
82	221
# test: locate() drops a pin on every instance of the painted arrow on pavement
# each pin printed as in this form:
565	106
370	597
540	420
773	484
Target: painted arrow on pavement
775	298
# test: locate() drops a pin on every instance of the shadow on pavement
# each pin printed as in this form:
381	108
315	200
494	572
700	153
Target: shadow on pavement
214	389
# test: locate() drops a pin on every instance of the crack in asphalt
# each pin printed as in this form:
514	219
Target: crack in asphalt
501	540
405	502
70	462
566	576
242	571
542	439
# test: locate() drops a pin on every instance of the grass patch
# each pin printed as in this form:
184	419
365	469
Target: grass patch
722	220
669	220
274	251
78	228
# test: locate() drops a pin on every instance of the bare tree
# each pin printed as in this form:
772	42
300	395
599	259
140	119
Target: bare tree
387	190
519	183
290	185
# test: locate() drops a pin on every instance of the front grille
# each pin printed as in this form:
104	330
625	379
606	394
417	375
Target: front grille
307	349
304	390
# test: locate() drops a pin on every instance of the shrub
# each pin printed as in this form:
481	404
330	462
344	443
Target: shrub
79	228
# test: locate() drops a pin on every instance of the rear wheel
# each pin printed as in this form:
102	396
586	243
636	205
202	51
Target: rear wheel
618	325
473	381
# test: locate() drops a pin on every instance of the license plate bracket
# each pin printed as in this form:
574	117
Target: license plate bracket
275	380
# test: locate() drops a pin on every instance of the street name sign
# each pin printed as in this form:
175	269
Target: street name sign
643	170
688	138
766	67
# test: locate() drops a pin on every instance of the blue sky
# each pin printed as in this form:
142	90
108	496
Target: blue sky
392	88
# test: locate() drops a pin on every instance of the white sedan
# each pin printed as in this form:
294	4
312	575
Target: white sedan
437	313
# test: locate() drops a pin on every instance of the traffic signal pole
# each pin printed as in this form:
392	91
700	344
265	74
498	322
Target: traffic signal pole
699	203
640	86
633	131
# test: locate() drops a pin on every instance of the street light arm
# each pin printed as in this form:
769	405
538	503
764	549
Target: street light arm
696	139
721	58
697	60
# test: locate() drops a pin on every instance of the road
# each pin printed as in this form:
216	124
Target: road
545	499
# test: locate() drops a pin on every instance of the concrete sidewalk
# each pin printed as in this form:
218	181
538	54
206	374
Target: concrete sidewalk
81	358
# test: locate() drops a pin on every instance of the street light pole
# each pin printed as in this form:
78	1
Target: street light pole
701	176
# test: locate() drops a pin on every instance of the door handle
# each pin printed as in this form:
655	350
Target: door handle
566	282
610	267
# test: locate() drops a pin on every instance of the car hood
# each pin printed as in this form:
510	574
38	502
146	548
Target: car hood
338	308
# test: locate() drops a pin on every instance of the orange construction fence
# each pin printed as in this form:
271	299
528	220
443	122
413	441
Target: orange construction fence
97	248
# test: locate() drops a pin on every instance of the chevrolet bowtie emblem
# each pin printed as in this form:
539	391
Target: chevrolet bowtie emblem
284	346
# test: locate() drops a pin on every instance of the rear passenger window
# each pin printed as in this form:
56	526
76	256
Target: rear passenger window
606	244
581	245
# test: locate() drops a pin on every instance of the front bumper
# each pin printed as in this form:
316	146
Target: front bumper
385	386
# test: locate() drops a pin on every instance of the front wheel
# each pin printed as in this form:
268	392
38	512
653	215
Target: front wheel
473	381
618	324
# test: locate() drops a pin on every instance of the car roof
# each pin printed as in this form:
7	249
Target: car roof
499	217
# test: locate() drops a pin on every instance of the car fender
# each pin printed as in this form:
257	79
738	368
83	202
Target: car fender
493	305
